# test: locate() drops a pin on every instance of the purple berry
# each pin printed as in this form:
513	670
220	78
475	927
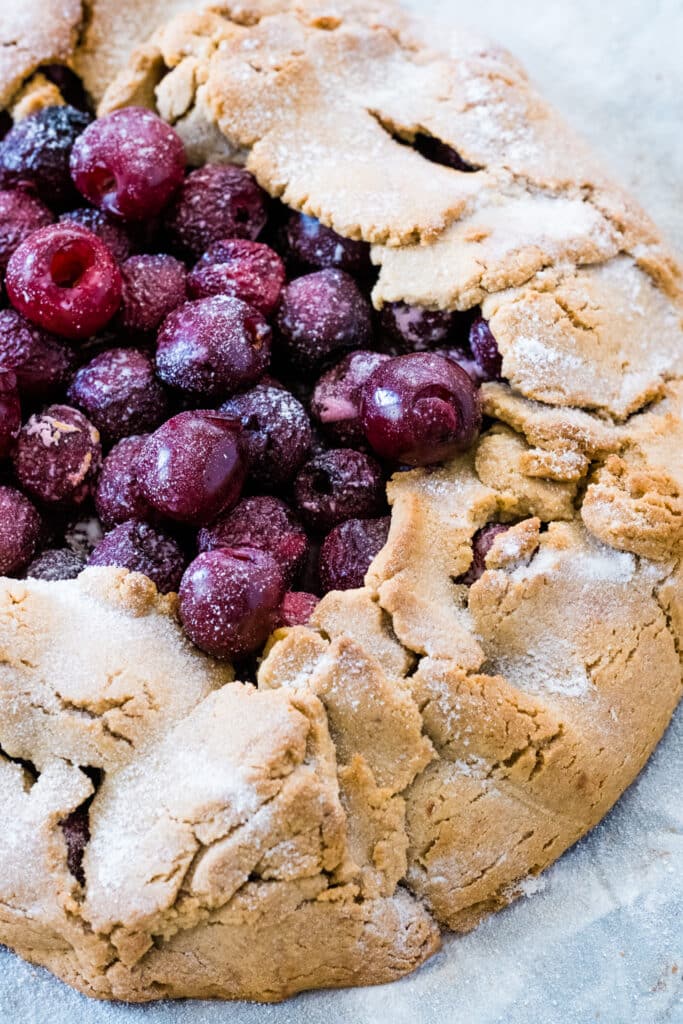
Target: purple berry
248	270
276	433
337	396
35	153
19	530
64	279
229	600
213	346
485	350
153	286
296	609
417	329
316	247
114	235
141	548
322	314
20	215
118	497
120	393
348	550
10	412
420	409
338	484
265	523
128	164
216	202
56	564
58	456
41	362
192	468
482	542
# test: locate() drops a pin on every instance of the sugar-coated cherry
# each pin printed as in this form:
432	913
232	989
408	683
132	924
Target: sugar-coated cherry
19	530
42	362
57	456
216	202
118	496
336	485
153	286
10	412
213	347
56	564
320	315
348	550
485	350
140	547
337	396
35	153
482	542
128	163
265	523
417	329
420	408
20	215
119	392
192	468
296	609
276	433
250	271
64	279
313	246
109	231
229	600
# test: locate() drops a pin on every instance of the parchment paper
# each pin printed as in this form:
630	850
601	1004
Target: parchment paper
600	936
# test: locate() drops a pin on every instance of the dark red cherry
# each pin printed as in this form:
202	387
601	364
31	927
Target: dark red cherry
120	393
348	551
64	279
336	485
229	600
42	362
56	564
153	286
265	523
247	270
216	202
420	409
417	329
20	215
35	153
320	315
485	350
213	347
19	530
140	547
276	433
192	468
482	542
128	163
118	496
57	456
296	609
316	247
10	412
113	234
337	396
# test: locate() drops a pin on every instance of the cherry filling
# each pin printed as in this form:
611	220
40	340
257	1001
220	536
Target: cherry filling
63	278
151	314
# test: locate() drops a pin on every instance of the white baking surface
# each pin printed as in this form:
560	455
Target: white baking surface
600	935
